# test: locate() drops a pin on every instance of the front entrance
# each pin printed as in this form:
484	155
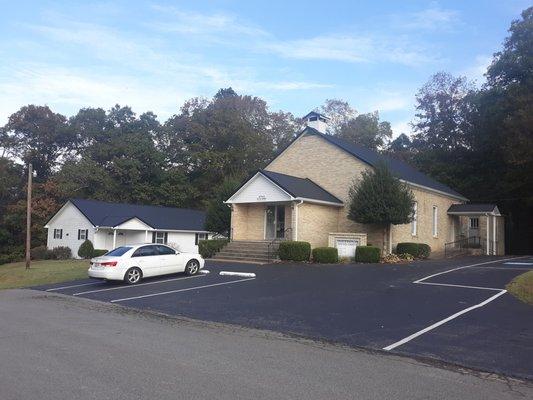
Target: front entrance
275	222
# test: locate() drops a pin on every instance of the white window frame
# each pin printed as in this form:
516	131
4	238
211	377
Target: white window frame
470	225
83	234
58	233
414	222
435	221
158	238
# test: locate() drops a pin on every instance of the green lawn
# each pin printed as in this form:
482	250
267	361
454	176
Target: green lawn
522	287
14	275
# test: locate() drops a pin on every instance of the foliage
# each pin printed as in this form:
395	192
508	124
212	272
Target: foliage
367	254
218	218
61	253
86	249
521	287
98	252
417	250
294	251
396	258
325	255
40	253
208	248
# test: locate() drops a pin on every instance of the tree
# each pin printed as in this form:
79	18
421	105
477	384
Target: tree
37	135
401	147
381	199
366	130
340	112
218	218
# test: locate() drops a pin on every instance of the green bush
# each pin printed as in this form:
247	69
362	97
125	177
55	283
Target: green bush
98	252
86	249
367	254
208	248
325	255
294	251
40	253
61	253
9	258
417	250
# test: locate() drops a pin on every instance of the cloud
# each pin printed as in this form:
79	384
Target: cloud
399	127
477	70
432	18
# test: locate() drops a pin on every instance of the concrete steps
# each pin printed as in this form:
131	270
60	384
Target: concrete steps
248	251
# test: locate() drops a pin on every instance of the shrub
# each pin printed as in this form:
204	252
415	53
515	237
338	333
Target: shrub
367	254
12	257
294	251
40	253
417	250
208	248
406	257
86	249
61	253
98	252
325	255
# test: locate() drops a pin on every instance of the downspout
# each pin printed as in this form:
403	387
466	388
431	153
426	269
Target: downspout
488	234
230	222
296	206
390	238
494	235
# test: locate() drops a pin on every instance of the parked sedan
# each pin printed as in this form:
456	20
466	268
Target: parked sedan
132	263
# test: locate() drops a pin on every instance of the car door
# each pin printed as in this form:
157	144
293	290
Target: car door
170	259
147	258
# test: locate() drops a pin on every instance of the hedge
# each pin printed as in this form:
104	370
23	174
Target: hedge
86	249
325	255
99	252
61	253
367	254
40	253
208	248
417	250
294	251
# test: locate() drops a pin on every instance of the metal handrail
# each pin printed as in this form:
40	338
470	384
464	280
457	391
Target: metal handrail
271	243
462	244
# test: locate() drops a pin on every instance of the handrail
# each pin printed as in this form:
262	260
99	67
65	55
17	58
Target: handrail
462	244
271	243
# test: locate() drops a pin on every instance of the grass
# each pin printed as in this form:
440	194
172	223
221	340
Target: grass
15	275
521	287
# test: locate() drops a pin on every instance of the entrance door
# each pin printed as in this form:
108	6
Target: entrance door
275	222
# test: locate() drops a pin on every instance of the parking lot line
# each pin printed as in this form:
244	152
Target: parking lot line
243	274
137	285
441	322
73	286
459	286
180	290
519	263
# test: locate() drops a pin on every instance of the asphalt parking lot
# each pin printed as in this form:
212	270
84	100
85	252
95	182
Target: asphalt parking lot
448	310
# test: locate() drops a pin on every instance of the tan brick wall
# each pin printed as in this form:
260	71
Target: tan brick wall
316	222
248	221
335	170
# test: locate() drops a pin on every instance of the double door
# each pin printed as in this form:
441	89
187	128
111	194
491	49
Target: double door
275	222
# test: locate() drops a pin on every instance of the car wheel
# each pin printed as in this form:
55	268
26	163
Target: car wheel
133	276
192	267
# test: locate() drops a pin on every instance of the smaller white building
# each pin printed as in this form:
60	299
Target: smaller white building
109	225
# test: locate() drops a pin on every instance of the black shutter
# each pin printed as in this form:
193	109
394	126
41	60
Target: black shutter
196	239
79	231
166	237
86	234
61	234
153	237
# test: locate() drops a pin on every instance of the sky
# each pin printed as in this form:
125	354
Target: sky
154	55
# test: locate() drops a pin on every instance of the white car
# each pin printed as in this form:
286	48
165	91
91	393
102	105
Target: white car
133	262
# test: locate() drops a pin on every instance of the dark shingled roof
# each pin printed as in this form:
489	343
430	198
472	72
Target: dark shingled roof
101	213
471	208
300	187
400	169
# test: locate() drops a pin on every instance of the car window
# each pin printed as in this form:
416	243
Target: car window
119	251
145	251
164	250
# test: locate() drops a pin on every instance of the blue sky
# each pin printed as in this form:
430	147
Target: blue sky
153	55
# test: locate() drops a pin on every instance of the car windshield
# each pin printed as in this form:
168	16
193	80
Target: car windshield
119	251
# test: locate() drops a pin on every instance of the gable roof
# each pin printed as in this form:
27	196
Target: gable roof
101	213
303	188
399	168
473	209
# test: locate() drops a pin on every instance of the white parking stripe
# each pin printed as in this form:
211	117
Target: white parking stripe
73	286
437	324
181	290
243	274
519	263
137	285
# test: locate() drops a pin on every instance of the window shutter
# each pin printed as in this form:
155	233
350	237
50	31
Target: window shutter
196	239
153	237
166	237
86	234
79	234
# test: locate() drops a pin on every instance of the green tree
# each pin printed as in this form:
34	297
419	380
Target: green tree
366	130
218	218
381	199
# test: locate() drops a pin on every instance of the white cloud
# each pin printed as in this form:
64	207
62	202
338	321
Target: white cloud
399	127
432	18
477	70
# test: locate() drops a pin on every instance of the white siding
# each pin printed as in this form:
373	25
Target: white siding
183	241
259	189
135	224
70	219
